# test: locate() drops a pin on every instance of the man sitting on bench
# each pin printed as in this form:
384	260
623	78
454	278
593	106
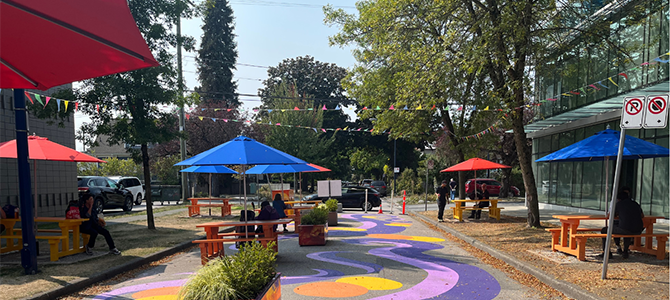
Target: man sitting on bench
484	194
630	223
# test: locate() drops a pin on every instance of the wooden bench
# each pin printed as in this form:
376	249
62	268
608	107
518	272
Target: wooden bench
493	213
208	248
54	241
194	210
556	235
661	239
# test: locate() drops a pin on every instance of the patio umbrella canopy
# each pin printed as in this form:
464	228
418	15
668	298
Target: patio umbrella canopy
475	164
41	148
604	145
274	169
86	39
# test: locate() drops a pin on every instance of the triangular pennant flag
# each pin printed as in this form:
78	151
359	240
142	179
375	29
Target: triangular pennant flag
460	108
256	109
337	107
188	117
213	119
278	124
377	108
58	104
613	81
658	59
486	108
405	108
323	130
552	99
314	129
269	110
601	84
296	108
432	107
574	93
66	103
225	120
311	108
474	108
202	109
391	108
76	106
594	86
358	129
200	118
324	107
283	110
217	109
29	98
346	128
228	109
48	98
567	95
365	108
624	75
419	108
583	90
97	108
39	99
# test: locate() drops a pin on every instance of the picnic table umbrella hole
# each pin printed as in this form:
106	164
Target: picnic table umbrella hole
241	151
86	39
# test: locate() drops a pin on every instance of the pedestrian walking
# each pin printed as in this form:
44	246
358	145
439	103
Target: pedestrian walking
442	201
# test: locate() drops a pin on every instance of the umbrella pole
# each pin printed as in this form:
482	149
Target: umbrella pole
35	185
210	193
300	190
244	188
281	182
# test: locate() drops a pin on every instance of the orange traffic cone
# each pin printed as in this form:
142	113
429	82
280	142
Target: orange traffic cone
380	208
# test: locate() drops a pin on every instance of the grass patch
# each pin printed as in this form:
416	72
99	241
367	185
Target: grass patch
144	212
133	239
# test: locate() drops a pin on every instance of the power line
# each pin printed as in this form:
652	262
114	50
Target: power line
283	4
224	61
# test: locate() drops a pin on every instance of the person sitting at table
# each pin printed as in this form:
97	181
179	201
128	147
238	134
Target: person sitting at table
280	206
267	213
94	226
630	223
482	194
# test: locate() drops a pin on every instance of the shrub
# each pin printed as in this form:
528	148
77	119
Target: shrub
264	193
415	199
331	205
318	216
240	276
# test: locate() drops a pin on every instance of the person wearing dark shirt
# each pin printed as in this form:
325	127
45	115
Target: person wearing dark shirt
481	194
280	206
94	226
630	222
442	201
267	213
452	186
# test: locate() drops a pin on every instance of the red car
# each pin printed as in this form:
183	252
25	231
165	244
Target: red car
493	186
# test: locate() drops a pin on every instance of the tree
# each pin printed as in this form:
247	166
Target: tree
113	167
218	54
369	161
125	106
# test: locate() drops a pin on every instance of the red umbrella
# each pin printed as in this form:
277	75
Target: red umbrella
41	148
475	164
85	39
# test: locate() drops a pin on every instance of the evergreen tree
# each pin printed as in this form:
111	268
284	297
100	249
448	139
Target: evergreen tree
217	54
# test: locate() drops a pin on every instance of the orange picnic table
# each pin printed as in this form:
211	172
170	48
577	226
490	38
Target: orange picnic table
59	245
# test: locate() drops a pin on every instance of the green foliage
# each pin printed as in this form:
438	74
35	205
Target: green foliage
369	160
165	171
113	167
331	205
218	54
239	276
318	216
410	182
419	198
264	192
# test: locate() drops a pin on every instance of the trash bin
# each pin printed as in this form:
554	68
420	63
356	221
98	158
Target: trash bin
166	193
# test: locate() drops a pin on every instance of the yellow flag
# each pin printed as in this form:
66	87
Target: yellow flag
200	118
613	81
487	108
419	108
66	102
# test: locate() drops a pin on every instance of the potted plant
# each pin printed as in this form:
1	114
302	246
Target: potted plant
313	228
331	205
249	274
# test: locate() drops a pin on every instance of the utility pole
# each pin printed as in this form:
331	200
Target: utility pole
182	125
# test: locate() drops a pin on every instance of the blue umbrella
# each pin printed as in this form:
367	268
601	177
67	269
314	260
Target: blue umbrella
209	169
241	151
604	145
273	169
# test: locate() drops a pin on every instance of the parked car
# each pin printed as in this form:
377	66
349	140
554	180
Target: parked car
492	185
106	193
366	182
380	186
353	197
132	184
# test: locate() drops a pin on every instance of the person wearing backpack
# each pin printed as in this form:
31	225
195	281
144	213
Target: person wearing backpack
94	226
73	210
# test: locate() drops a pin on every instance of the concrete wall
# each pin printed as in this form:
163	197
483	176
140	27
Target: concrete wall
56	181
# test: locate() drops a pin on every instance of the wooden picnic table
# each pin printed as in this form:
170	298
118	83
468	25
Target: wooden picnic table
567	238
494	210
194	208
212	246
297	212
315	202
59	245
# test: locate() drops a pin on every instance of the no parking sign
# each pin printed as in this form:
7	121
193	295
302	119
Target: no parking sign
632	112
656	114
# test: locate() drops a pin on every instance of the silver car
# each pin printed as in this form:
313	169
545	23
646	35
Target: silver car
380	186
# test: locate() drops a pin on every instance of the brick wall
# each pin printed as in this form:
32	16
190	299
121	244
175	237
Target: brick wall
56	182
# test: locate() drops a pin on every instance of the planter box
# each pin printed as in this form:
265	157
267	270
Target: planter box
332	218
272	291
312	235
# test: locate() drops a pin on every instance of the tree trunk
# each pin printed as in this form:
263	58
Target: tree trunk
525	161
147	185
505	189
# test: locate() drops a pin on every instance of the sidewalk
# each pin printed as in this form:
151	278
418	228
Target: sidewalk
368	256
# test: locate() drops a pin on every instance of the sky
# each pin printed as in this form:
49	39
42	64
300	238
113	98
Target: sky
268	32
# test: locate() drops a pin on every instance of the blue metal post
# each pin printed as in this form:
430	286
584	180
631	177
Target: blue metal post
29	251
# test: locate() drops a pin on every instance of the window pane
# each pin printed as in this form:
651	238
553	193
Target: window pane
563	190
577	184
645	185
592	184
543	182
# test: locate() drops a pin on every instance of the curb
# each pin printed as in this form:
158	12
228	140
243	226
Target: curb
131	265
568	289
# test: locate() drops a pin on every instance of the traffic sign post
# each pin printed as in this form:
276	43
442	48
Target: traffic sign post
396	170
656	114
632	113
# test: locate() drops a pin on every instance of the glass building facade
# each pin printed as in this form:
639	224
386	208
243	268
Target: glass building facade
578	84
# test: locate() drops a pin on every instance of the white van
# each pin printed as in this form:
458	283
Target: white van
133	185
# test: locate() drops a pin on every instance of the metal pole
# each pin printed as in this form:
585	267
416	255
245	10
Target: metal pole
35	183
394	173
366	201
182	123
426	202
29	250
244	179
617	173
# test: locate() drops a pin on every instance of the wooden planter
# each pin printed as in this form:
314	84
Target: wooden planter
312	235
272	290
332	218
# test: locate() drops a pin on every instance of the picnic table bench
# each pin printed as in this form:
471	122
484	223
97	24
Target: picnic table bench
59	245
212	246
194	208
494	210
571	239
